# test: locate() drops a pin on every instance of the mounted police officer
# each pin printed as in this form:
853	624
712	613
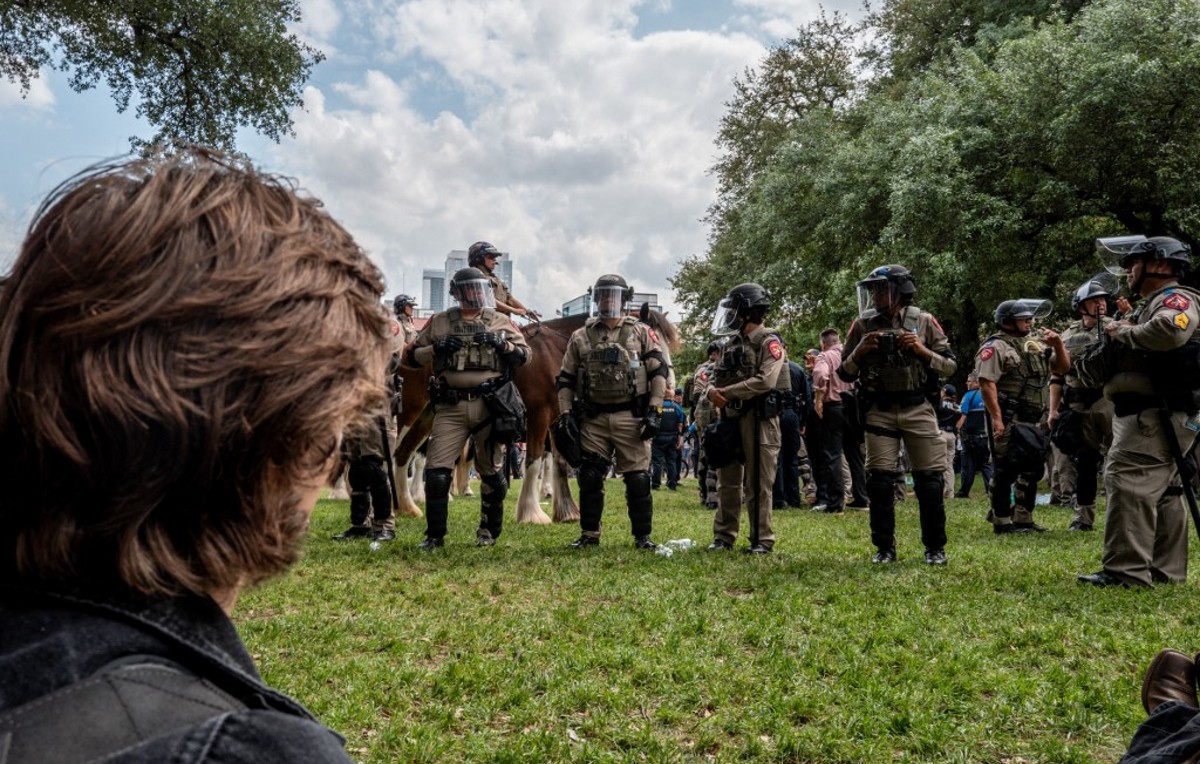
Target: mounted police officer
613	380
748	385
898	351
1153	374
474	350
1086	433
1014	374
483	256
403	306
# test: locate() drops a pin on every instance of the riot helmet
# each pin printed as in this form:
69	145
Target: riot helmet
1008	311
1103	285
745	302
609	294
402	301
478	253
885	289
471	289
1120	252
714	347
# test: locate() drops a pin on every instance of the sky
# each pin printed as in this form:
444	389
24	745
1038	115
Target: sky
577	136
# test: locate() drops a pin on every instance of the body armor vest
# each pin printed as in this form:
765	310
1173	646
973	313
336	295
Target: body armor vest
1077	340
610	373
888	370
739	361
469	357
1028	382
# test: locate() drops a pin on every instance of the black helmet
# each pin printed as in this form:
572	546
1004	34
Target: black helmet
402	301
748	295
478	251
1160	248
1013	309
745	302
471	288
900	289
609	295
1092	288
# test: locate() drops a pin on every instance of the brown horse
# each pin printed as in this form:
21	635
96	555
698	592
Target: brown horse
536	382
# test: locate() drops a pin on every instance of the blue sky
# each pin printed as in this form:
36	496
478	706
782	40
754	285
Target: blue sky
576	136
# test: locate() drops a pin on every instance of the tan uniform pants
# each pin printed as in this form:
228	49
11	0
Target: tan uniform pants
452	426
918	428
616	434
735	478
1145	532
949	442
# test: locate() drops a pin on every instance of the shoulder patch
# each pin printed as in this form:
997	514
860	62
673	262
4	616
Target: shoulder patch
1181	321
395	328
653	336
1176	301
936	325
986	353
775	348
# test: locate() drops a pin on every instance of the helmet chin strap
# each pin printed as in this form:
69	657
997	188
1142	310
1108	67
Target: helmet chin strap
1014	331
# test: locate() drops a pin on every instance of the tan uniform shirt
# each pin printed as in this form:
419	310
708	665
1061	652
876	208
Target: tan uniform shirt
910	319
1166	320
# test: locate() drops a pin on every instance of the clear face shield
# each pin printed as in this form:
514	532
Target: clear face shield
1036	310
608	301
474	294
725	320
877	296
1114	252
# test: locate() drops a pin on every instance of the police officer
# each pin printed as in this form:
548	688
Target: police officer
613	378
748	385
1094	411
1152	385
474	350
1014	373
483	256
948	417
898	351
703	414
664	448
793	409
371	509
403	306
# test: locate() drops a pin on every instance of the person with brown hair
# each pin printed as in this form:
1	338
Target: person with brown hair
183	341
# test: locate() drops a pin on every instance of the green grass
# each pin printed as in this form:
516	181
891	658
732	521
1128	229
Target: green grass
530	651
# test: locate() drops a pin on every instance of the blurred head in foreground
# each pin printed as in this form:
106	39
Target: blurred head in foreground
182	342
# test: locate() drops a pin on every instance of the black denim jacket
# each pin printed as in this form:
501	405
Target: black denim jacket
51	640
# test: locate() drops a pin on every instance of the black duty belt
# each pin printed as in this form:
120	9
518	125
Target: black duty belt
609	408
1083	395
1128	404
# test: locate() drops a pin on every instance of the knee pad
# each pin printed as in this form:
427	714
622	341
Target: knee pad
592	473
881	481
928	483
437	482
637	484
493	487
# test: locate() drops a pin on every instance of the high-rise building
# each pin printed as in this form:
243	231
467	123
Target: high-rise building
582	305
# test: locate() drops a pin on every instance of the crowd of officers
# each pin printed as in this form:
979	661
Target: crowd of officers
1116	395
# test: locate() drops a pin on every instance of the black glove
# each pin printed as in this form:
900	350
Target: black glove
490	338
449	345
651	424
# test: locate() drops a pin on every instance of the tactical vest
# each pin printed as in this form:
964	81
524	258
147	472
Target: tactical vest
739	361
1077	339
610	374
704	407
893	372
1028	382
471	356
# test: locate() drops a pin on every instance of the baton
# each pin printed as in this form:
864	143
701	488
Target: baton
387	458
1164	416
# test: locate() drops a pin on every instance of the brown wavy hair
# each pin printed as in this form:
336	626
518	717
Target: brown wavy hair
182	342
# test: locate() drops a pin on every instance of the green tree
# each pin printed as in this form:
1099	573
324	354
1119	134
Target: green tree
200	69
988	174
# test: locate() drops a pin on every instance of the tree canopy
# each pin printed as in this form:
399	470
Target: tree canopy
200	69
987	169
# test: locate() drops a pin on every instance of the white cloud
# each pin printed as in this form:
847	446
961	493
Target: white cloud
584	149
39	98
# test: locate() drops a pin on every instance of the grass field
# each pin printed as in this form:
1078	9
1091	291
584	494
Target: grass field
529	651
